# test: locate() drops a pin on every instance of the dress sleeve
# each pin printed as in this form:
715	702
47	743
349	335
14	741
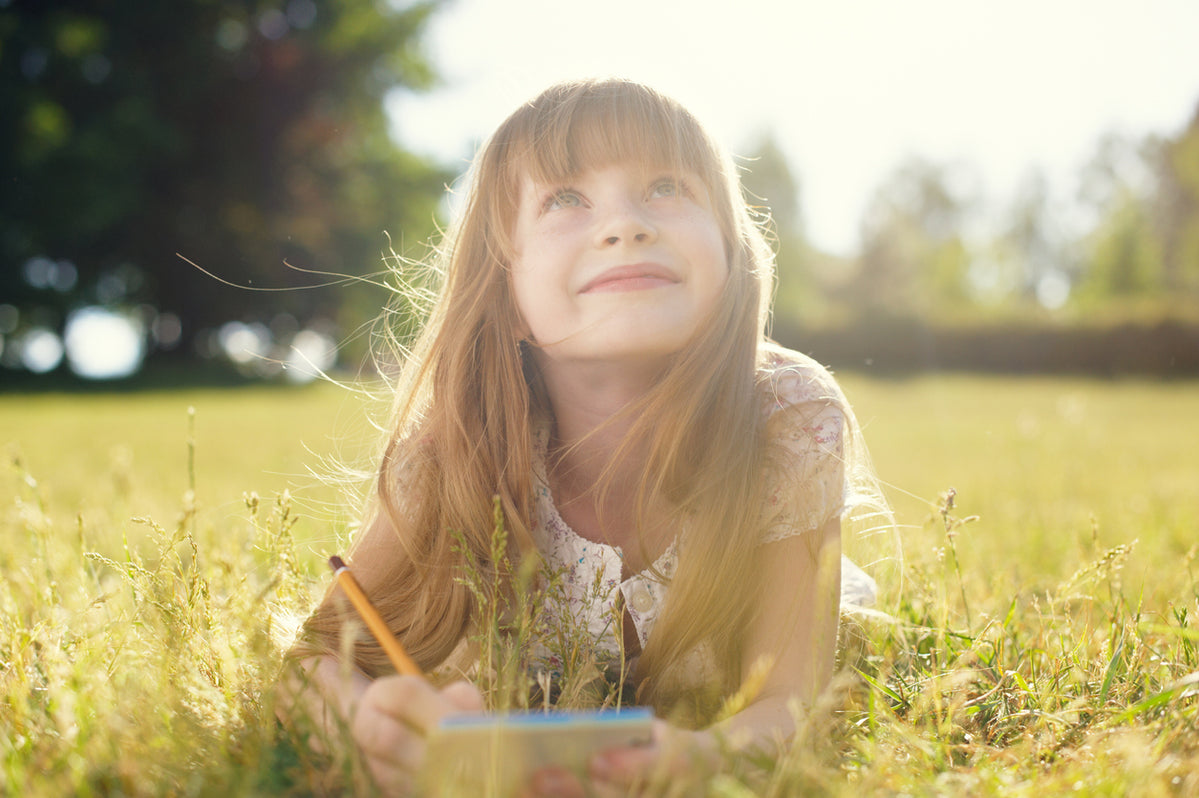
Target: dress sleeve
804	471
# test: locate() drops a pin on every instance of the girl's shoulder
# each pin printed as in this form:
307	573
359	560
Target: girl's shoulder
787	379
804	428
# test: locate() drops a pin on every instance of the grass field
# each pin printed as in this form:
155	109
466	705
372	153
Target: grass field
1045	647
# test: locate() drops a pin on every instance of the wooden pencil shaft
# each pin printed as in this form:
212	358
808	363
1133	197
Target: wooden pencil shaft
374	622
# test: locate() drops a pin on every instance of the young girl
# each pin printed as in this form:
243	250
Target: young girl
597	359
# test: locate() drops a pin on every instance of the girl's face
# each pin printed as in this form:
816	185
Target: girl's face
621	264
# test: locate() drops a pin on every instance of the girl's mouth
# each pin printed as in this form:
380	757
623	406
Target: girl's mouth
633	277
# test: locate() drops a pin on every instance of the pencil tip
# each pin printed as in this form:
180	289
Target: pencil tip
336	563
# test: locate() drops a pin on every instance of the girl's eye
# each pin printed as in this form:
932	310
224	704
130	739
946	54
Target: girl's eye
667	187
562	199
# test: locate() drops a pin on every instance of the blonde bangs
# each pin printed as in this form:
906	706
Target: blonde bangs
575	127
614	123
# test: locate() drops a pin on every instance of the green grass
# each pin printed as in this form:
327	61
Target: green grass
153	561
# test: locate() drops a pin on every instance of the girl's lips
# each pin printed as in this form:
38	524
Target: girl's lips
634	277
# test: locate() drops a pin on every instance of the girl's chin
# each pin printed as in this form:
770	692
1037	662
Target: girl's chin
634	355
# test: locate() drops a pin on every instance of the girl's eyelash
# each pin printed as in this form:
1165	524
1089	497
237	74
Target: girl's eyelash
679	184
555	196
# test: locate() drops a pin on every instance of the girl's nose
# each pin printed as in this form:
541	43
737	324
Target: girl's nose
626	223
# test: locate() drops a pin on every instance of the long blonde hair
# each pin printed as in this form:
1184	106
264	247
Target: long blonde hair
470	392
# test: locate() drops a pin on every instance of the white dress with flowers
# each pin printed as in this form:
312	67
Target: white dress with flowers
804	416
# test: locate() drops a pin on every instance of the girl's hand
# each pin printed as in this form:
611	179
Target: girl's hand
390	720
676	762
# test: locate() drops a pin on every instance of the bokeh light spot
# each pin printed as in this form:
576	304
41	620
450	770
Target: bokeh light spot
103	344
312	354
41	350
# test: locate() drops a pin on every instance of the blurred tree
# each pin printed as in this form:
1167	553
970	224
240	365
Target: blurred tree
772	189
1122	254
1035	264
913	260
1176	210
1118	165
769	182
240	133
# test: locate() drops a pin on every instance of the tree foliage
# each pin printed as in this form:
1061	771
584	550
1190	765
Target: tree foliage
241	134
1176	209
913	256
772	189
933	248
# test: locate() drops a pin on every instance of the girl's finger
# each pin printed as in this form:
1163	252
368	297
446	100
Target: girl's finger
408	699
388	741
390	723
464	697
672	758
389	779
395	713
625	767
553	781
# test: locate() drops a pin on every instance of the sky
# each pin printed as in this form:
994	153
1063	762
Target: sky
849	89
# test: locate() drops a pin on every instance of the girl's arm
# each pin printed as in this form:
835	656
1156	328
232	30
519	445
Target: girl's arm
796	629
385	718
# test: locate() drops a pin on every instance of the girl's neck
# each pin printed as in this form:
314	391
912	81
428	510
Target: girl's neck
587	400
589	431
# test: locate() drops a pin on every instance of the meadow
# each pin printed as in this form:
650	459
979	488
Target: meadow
1038	638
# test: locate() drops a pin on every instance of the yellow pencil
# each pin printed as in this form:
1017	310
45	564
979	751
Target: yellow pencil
395	652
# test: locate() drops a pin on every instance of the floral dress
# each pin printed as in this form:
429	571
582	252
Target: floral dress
802	406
